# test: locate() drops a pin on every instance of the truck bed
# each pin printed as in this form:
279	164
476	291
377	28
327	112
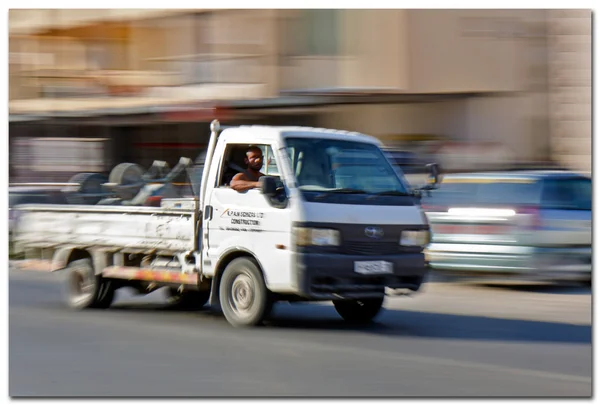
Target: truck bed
170	228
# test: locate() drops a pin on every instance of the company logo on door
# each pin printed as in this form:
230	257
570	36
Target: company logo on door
250	218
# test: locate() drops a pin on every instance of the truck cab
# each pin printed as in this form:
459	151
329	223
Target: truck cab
332	220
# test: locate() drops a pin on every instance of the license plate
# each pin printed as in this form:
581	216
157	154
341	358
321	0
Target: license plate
378	267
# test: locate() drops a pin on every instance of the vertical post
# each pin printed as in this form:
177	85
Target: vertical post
214	134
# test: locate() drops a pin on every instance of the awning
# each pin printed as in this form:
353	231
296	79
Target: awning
370	95
196	99
154	100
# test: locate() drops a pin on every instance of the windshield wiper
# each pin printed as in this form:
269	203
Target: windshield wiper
392	192
347	191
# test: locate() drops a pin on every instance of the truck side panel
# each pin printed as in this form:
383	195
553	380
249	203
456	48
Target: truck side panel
165	230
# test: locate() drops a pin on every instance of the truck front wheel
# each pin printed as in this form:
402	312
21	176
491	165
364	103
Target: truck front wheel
243	295
358	311
85	289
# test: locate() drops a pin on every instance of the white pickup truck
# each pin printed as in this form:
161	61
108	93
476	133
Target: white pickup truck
332	220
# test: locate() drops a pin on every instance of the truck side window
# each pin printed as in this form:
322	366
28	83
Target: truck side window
234	162
270	164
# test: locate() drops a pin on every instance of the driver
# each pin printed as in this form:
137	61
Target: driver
249	179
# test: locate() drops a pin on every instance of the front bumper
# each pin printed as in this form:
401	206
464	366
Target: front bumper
515	262
332	276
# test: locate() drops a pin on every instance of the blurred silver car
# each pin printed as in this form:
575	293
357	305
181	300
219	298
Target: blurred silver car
534	225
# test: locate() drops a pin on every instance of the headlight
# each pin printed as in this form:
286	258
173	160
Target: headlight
317	237
414	238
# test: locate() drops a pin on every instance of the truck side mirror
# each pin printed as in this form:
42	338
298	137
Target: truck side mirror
268	186
433	178
417	193
274	195
434	174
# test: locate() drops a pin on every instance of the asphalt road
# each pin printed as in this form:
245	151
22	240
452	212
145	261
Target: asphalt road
449	340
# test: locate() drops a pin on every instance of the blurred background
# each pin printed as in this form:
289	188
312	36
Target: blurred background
99	96
469	89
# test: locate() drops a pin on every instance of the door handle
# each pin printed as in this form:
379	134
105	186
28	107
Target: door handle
208	212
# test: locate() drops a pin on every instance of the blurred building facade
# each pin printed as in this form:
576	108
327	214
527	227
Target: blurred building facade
140	85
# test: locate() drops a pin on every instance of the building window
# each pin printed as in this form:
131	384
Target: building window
310	33
320	32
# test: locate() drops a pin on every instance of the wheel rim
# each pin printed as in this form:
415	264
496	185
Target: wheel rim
241	297
81	286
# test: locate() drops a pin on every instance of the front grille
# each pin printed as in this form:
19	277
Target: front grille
371	248
362	284
348	284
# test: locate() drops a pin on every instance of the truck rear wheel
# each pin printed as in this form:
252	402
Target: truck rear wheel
243	295
84	289
358	311
187	299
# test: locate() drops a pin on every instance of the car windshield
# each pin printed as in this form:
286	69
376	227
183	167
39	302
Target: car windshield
335	166
487	191
570	194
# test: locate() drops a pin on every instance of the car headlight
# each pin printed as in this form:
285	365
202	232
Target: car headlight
414	238
317	237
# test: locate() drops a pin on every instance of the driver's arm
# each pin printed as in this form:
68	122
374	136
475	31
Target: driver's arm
240	183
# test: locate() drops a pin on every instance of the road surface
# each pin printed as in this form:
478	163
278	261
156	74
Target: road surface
449	340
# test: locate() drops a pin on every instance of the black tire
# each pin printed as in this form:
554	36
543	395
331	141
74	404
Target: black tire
106	294
84	289
243	294
128	180
126	173
359	311
90	188
89	183
190	300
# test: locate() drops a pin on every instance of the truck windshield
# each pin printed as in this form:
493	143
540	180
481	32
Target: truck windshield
342	167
